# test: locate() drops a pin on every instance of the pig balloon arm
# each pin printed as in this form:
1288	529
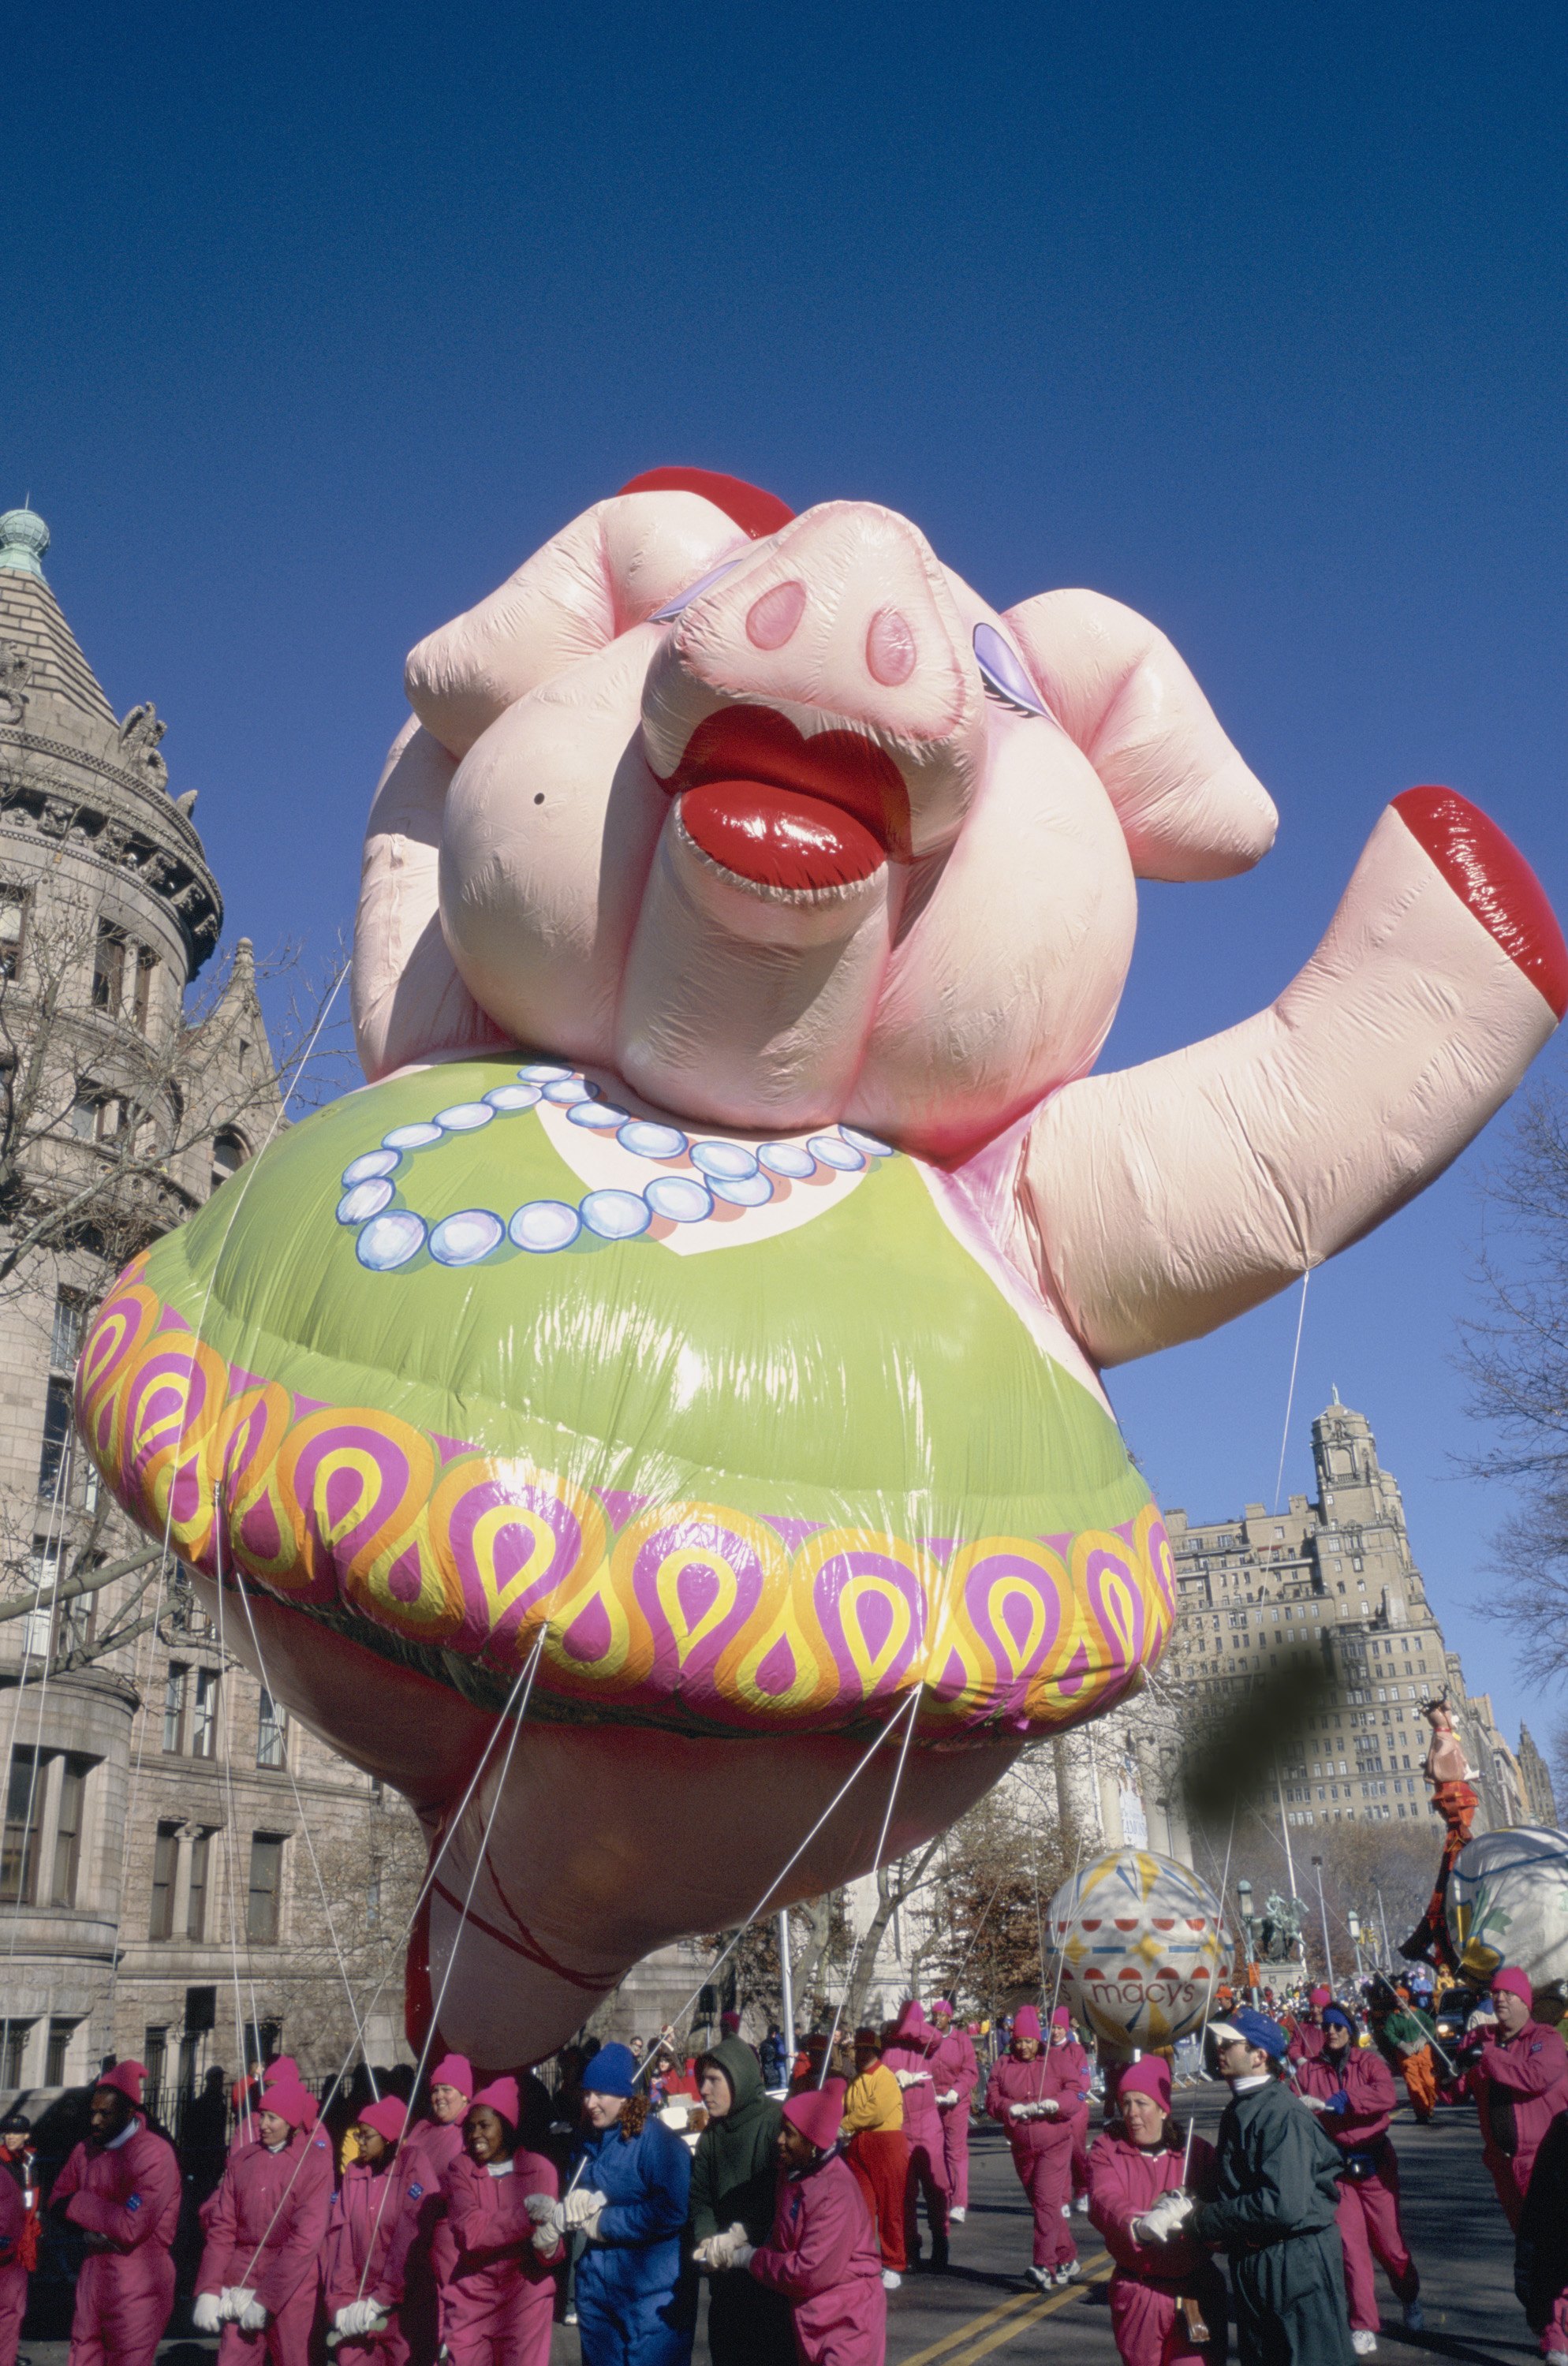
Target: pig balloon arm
1167	1198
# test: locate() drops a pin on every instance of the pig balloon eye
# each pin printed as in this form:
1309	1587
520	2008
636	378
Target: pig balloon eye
1001	670
672	608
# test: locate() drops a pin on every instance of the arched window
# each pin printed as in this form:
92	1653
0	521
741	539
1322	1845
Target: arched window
230	1153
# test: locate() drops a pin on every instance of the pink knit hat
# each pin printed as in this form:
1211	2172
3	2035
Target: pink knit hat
285	2067
453	2070
389	2117
288	2098
817	2113
942	2004
1061	2018
1320	1996
1148	2076
125	2078
1026	2022
501	2096
1511	1981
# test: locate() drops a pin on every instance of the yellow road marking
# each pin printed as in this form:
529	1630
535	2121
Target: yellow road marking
1025	2309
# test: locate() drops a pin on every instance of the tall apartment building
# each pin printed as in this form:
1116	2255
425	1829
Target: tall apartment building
1335	1575
156	1889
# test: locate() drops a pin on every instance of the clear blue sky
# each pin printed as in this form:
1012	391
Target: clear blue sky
322	319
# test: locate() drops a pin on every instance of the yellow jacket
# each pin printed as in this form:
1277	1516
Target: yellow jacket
874	2105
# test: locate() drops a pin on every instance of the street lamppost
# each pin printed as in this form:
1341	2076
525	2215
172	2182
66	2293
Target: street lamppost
1354	1922
1244	1899
1322	1910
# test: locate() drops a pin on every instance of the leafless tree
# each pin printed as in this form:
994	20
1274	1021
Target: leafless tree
1515	1358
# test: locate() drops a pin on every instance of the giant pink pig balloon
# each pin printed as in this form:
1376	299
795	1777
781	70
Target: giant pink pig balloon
709	1291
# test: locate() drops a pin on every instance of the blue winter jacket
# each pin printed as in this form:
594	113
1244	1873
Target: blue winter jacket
628	2297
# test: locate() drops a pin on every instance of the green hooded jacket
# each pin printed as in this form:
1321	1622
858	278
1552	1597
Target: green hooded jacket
736	2167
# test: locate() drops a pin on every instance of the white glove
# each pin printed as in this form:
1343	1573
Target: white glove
1314	2102
741	2255
1168	2215
207	2313
251	2317
1482	2018
913	2078
360	2317
724	2249
544	2236
582	2205
225	2301
1049	2108
541	2207
948	2100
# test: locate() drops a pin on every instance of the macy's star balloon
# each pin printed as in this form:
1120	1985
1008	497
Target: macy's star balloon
1137	1946
715	1277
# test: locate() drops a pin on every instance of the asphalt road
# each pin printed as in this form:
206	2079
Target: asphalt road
982	2309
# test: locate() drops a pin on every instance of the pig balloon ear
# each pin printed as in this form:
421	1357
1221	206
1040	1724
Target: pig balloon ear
1188	804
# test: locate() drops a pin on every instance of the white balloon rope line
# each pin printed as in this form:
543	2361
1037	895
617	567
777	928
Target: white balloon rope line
875	1867
1208	1999
221	1737
245	1181
523	1687
243	1592
1291	1392
980	1926
1061	1958
529	1672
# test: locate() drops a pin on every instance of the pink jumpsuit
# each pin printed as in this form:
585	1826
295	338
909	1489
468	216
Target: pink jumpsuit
266	2225
13	2268
1520	2084
128	2192
824	2257
913	2049
955	2071
416	2271
502	2298
1042	2149
360	2236
1124	2182
1369	2190
1071	2055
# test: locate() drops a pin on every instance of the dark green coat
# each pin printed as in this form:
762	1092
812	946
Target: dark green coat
1278	2177
735	2175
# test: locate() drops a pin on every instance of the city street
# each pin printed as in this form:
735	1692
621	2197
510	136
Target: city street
980	2309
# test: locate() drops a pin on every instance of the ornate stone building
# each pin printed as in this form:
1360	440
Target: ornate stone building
1335	1575
155	1888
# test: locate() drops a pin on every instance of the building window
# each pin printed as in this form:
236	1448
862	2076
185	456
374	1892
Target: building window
196	1907
229	1155
156	2055
175	1706
109	968
13	2037
204	1714
146	963
266	1888
270	1732
18	1847
56	1436
13	919
165	1857
68	1831
61	2034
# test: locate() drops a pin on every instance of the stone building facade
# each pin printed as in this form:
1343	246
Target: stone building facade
156	1894
1334	1576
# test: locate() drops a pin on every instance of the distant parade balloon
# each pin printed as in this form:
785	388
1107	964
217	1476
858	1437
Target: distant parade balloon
1141	1944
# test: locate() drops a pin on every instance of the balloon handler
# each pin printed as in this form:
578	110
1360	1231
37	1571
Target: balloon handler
1352	2088
1034	2096
1518	2075
265	2227
734	2174
823	2253
1275	2210
1168	2299
122	2189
